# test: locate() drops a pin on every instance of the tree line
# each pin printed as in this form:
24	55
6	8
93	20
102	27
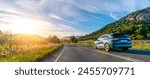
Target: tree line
26	39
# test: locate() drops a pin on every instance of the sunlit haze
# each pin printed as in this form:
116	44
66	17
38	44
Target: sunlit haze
24	26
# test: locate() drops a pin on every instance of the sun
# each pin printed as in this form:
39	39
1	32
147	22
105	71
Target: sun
26	26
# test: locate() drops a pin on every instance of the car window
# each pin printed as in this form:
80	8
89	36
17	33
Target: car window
107	36
102	36
120	36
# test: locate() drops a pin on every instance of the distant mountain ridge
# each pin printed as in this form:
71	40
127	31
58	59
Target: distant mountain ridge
136	24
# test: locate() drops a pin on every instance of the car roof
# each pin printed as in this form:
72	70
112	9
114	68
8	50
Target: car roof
119	34
116	34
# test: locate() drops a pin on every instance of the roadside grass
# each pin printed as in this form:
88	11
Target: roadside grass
27	53
141	44
86	42
136	44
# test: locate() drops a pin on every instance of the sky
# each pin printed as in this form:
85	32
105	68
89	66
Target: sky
63	17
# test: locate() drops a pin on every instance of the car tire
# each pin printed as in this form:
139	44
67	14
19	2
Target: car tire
107	47
124	49
94	46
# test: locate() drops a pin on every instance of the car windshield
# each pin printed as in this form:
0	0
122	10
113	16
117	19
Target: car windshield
120	36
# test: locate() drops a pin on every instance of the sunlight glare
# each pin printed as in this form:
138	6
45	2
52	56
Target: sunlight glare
24	26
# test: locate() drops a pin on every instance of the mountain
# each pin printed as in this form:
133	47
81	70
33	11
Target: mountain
136	24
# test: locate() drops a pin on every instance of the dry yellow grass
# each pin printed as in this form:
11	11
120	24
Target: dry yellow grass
27	53
141	44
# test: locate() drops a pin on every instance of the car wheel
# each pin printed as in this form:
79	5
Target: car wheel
124	48
94	46
107	47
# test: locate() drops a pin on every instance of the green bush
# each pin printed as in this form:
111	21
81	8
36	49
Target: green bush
140	37
74	39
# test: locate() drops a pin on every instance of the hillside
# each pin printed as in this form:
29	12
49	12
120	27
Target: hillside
136	24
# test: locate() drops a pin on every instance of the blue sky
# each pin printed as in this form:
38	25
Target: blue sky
63	17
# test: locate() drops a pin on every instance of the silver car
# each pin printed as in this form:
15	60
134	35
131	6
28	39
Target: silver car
113	41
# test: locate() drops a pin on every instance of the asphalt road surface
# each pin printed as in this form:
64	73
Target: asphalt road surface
76	53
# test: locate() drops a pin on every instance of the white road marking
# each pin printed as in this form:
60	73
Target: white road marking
59	55
118	56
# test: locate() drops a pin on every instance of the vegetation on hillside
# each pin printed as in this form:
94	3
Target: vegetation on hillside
136	24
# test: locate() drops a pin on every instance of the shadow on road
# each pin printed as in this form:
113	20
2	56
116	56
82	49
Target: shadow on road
130	51
134	51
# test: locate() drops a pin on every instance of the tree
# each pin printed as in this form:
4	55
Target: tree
74	39
148	36
56	39
139	37
53	39
133	36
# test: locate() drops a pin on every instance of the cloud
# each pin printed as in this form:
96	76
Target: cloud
114	16
4	22
73	9
45	28
73	17
29	5
106	7
55	16
64	30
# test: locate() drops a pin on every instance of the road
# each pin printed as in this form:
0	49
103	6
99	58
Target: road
76	53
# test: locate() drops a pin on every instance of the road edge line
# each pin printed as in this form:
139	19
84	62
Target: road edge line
59	55
118	56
